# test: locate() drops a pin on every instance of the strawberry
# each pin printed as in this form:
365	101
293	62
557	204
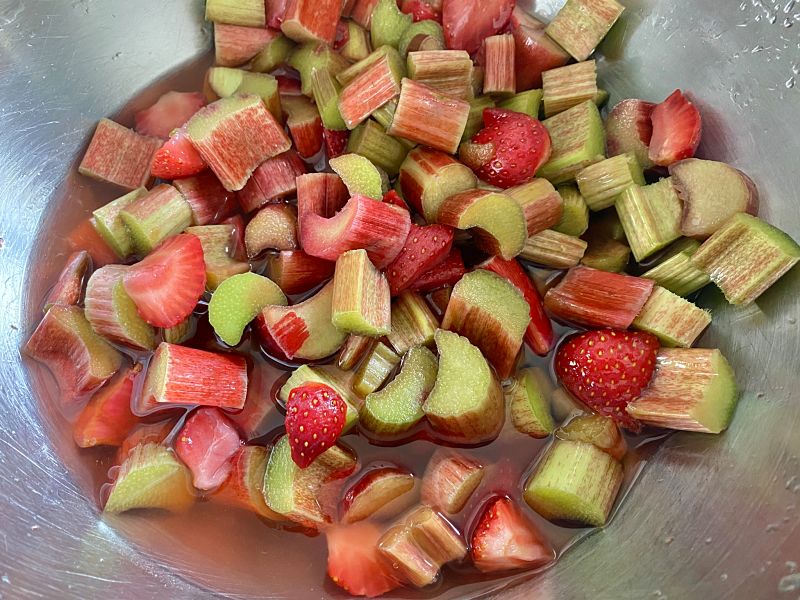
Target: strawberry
177	158
392	197
505	539
335	142
676	130
206	444
167	283
508	150
315	416
422	10
171	111
448	272
467	22
607	368
425	248
354	562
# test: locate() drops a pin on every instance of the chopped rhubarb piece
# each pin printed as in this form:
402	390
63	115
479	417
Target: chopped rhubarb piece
321	194
297	272
354	350
217	242
693	389
273	179
205	444
373	88
147	433
568	86
602	182
428	177
315	56
581	25
449	480
595	429
578	140
374	492
247	13
303	330
448	71
327	91
676	130
441	298
235	45
422	36
274	227
181	376
311	20
68	288
426	116
155	216
472	312
351	73
371	141
182	332
243	487
673	320
499	76
119	155
677	273
209	201
447	273
575	214
167	284
335	142
108	223
235	135
275	53
355	45
361	12
237	301
540	203
424	249
79	359
226	82
527	102
305	125
275	11
593	298
650	217
354	563
529	398
360	176
555	250
380	229
475	120
468	22
413	323
171	111
534	51
375	369
629	129
388	24
177	158
107	419
150	477
606	255
361	300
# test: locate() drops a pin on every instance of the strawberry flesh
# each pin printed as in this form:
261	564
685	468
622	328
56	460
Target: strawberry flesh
607	368
425	248
177	159
423	10
354	563
508	150
392	197
335	142
206	444
446	273
467	22
315	416
171	111
167	283
676	130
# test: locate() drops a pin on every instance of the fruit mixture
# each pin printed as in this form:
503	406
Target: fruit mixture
400	204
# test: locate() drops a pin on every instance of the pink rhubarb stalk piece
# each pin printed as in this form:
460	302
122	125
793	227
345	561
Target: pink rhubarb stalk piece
107	418
534	51
322	194
209	200
274	179
296	272
305	124
235	45
67	290
361	12
368	92
499	76
171	111
206	444
311	20
119	155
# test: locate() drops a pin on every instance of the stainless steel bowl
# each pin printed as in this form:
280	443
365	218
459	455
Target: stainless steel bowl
712	517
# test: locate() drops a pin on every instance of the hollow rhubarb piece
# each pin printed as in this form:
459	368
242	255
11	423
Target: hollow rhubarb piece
575	214
552	249
530	404
376	491
388	24
650	217
593	298
371	142
421	36
745	257
296	493
375	369
296	272
150	477
355	348
209	201
711	192
235	45
107	418
375	86
578	140
601	183
693	389
311	20
243	486
581	25
475	119
428	177
629	129
673	320
361	300
540	203
181	376
274	227
356	44
566	87
379	228
247	13
606	255
79	359
275	53
68	288
234	135
449	480
598	430
678	274
205	444
308	57
119	155
182	332
360	176
499	75
237	301
340	381
447	273
108	223
575	482
226	82
447	71
155	216
413	323
273	179
466	402
217	243
305	124
326	90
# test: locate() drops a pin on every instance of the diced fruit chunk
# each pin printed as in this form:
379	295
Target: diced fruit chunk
578	140
359	175
305	124
540	203
243	486
205	444
629	129
374	491
535	52
530	403
468	22
413	323
677	273
340	381
568	86
219	243
107	221
311	20
209	201
449	480
155	216
68	288
273	227
676	130
354	563
447	273
247	13
650	216
425	248
552	249
296	272
673	320
388	24
354	350
377	84
595	429
361	301
235	45
273	179
237	301
107	418
119	155
580	25
449	71
428	177
177	158
315	417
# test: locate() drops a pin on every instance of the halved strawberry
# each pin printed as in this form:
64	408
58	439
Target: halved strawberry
505	539
315	416
467	22
354	563
168	282
206	444
171	111
392	197
676	130
422	10
508	150
425	248
607	368
177	158
335	142
447	272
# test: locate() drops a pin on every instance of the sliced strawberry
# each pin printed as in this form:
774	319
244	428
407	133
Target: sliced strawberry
607	368
206	444
676	130
335	142
171	111
107	419
288	86
354	563
168	282
425	248
508	150
505	539
392	197
467	22
422	10
315	416
448	272
177	158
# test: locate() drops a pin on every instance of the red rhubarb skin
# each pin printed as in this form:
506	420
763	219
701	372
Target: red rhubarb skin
284	339
274	179
367	93
318	17
119	155
107	419
235	45
431	162
67	290
296	272
534	51
210	201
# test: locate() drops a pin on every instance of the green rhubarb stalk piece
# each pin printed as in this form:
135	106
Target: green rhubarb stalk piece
246	13
375	369
384	116
355	348
388	24
553	249
575	214
151	477
154	217
273	227
693	389
217	241
108	223
226	82
448	71
650	216
581	25
398	406
569	86
339	380
606	255
182	332
273	55
601	97
602	182
413	322
357	47
673	320
525	102
578	140
475	119
422	33
360	176
530	405
574	482
309	56
598	430
466	403
326	91
745	257
677	273
361	299
371	141
237	301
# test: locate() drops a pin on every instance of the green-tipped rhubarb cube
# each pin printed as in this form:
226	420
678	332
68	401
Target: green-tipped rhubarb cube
581	25
673	320
310	56
606	255
601	183
109	225
226	82
216	241
360	176
361	298
650	216
568	86
448	71
154	217
555	250
421	36
575	214
371	141
388	24
578	140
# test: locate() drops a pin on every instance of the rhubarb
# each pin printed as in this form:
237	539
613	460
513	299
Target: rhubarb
629	129
575	214
606	255
475	119
357	45
354	350
650	217
273	227
274	179
308	57
677	273
581	25
243	486
275	53
421	36
540	203
388	24
413	323
209	201
673	320
535	52
449	480
569	86
297	272
360	176
226	82
428	177
361	300
68	288
525	102
246	13
448	71
237	301
499	74
601	183
235	45
599	430
578	140
155	216
119	155
305	124
530	405
371	141
108	223
182	332
376	85
107	418
552	249
327	92
375	369
311	20
217	242
375	492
